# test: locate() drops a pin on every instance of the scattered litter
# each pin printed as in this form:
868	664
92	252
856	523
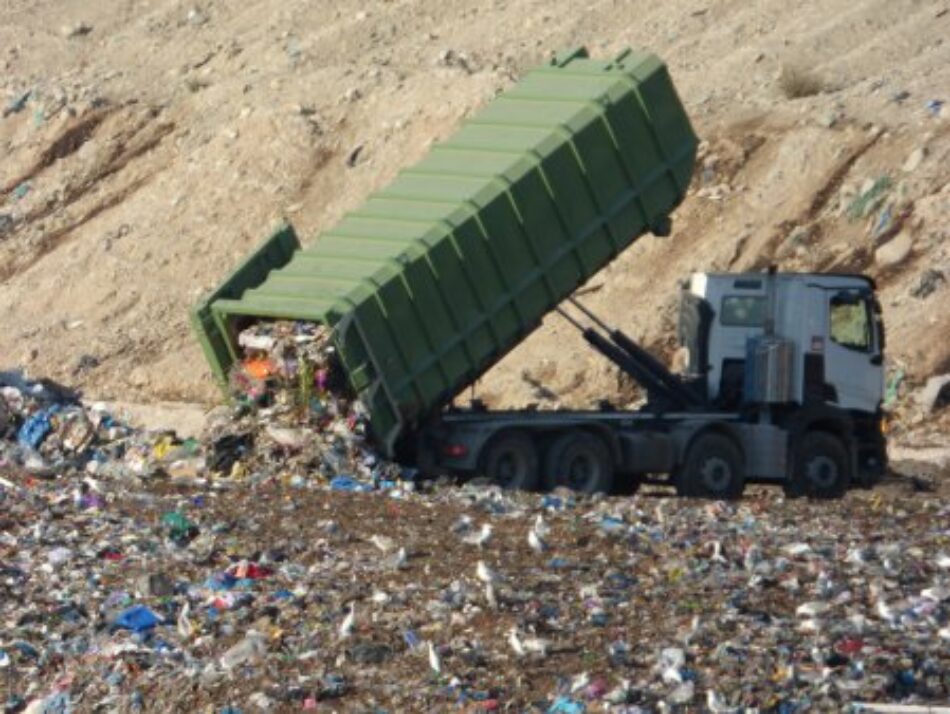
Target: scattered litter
16	105
282	572
934	106
883	224
137	619
870	198
893	386
354	156
928	283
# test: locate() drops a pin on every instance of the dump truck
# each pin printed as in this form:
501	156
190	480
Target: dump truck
437	276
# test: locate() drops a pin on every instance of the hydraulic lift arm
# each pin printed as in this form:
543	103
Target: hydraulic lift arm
634	360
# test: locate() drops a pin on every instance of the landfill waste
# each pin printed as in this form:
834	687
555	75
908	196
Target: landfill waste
138	619
870	198
934	106
293	569
883	225
289	378
928	283
17	103
892	386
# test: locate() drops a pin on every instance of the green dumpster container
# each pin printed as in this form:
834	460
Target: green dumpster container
435	277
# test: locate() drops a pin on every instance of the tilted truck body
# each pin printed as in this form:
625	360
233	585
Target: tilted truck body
441	273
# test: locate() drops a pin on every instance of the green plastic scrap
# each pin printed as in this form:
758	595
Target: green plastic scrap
191	446
865	203
180	529
893	387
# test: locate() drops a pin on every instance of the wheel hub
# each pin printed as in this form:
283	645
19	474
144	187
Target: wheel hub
579	472
716	473
822	471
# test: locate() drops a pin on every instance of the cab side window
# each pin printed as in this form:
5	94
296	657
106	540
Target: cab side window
850	322
743	311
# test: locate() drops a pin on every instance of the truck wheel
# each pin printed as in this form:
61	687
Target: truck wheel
511	461
581	462
821	467
713	469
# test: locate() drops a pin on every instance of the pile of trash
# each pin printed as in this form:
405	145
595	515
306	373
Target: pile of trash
268	594
293	413
290	366
277	564
45	430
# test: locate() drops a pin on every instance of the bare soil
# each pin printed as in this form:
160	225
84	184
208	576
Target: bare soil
162	140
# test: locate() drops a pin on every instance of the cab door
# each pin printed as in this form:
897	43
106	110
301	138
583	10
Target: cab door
854	360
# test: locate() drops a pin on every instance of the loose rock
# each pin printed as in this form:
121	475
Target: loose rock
77	30
935	394
915	160
895	251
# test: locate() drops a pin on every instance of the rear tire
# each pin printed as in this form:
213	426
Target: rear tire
511	461
713	468
821	467
579	461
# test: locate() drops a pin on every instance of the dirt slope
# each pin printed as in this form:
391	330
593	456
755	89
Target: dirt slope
160	141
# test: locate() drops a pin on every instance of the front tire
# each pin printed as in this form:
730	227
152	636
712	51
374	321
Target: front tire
821	467
511	461
713	468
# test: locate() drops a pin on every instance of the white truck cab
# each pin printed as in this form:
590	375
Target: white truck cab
830	325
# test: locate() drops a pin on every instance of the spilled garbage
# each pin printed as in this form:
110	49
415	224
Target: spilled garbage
276	565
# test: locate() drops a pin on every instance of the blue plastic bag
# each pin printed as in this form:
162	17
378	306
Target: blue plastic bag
611	524
58	703
138	619
26	650
36	428
555	503
348	483
563	705
221	582
412	639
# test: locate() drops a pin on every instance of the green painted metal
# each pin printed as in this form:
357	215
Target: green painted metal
217	341
435	277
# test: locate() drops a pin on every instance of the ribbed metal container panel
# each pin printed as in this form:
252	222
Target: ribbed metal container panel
435	277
